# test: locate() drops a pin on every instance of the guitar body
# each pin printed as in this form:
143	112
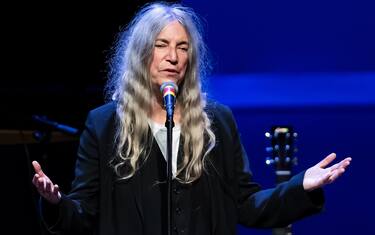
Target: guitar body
282	158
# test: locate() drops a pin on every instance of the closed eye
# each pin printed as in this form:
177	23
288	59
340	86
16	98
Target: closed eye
184	48
160	45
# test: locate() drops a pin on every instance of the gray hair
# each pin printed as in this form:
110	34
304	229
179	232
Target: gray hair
130	87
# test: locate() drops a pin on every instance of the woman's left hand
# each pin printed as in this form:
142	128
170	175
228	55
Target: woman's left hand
320	175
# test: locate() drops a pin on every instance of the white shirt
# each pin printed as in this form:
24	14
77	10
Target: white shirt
160	133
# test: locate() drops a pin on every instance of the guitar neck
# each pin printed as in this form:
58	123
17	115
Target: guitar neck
282	150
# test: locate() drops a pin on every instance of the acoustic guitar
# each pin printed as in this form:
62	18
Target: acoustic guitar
281	157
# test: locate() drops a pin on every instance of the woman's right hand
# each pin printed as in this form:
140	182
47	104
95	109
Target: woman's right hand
45	186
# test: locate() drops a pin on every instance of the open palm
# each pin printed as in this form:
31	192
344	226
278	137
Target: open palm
320	175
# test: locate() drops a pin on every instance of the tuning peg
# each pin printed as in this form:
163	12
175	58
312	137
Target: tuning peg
295	149
295	135
287	147
269	149
270	161
268	135
295	161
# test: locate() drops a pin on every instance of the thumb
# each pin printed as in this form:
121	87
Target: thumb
37	168
327	160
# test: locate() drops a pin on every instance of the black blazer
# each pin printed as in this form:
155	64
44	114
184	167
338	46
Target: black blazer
224	196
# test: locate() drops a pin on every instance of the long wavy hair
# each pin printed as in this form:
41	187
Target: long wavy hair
130	87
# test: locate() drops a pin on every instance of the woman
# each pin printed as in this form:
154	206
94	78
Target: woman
119	185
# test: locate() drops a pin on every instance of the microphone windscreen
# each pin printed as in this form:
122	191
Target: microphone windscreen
169	91
169	88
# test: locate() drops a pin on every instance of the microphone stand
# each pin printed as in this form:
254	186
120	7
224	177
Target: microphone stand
169	91
169	124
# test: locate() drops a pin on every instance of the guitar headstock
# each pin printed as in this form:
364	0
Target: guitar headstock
282	149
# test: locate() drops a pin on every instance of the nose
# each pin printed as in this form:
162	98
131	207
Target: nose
172	56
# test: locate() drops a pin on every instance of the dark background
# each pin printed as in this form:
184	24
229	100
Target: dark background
308	64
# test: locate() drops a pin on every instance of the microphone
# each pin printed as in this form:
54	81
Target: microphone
54	125
169	91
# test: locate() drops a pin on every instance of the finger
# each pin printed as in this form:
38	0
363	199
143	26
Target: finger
345	164
52	187
326	177
35	179
337	174
342	165
49	187
348	160
334	167
327	160
323	179
40	185
36	182
37	168
56	190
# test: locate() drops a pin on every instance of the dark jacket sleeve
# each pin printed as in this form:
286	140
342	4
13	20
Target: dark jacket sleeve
76	213
275	207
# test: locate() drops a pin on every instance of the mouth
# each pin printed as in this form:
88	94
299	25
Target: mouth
173	71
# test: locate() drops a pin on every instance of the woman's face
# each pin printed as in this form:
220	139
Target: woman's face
170	55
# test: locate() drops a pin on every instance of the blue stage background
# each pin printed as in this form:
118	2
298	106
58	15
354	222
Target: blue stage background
311	65
308	64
